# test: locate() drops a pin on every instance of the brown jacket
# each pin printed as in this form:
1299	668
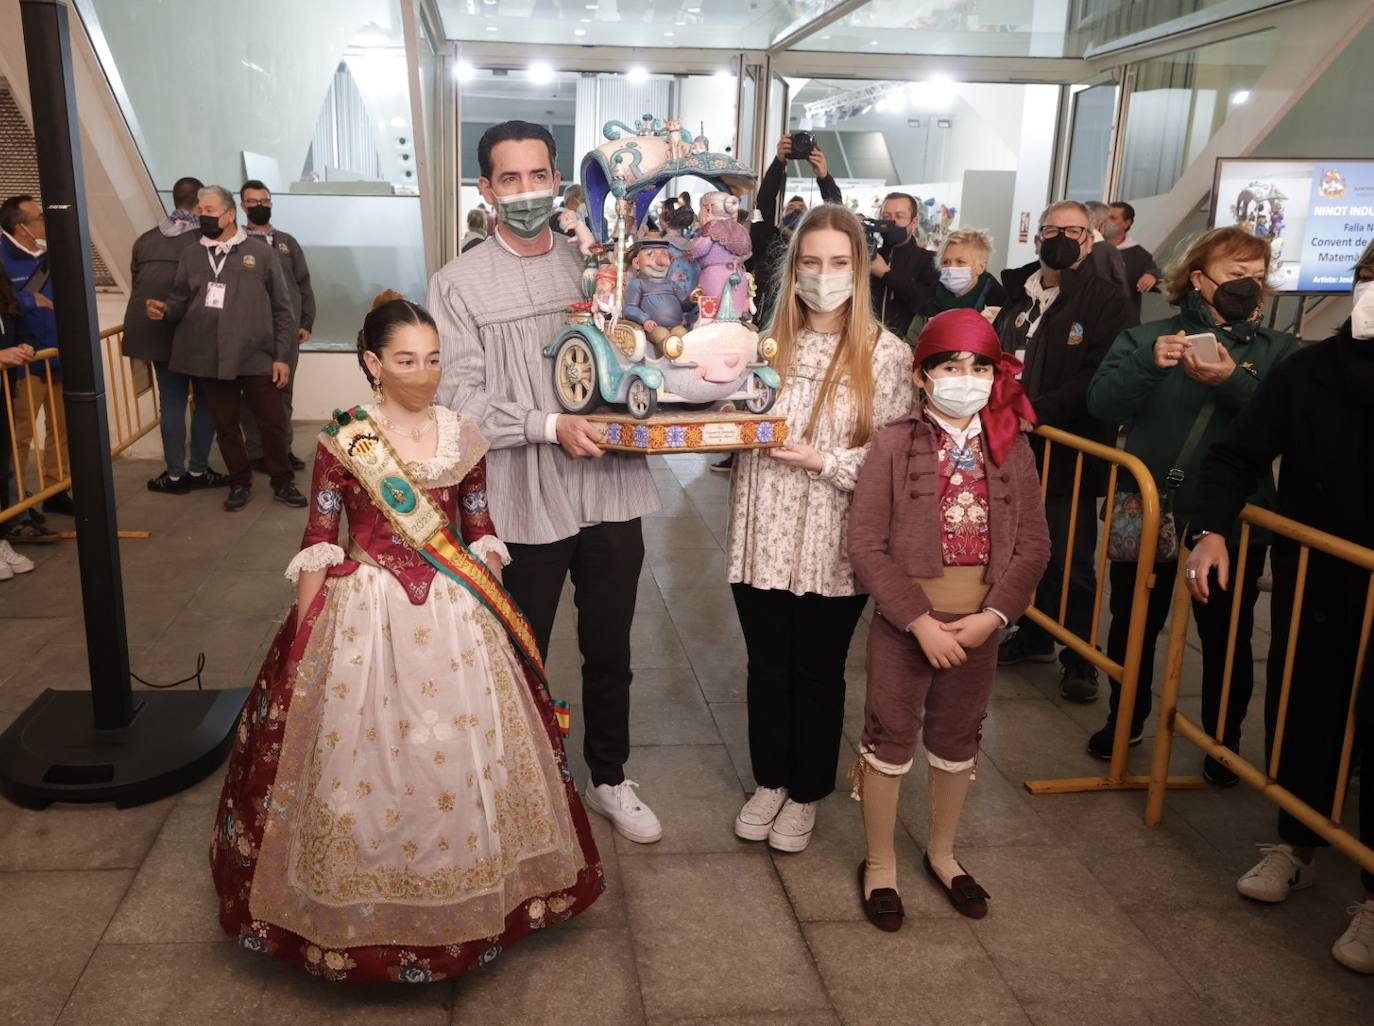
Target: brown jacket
894	523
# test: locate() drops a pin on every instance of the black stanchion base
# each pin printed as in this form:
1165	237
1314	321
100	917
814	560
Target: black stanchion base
54	753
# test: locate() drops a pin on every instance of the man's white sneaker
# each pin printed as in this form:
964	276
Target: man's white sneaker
631	817
756	818
1276	875
791	831
13	561
6	574
1354	949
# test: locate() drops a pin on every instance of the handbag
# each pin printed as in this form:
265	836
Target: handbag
1128	514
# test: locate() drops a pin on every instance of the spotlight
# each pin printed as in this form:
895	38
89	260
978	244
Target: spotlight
463	71
540	73
637	75
1240	96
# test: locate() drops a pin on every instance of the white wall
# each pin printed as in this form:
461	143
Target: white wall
1035	153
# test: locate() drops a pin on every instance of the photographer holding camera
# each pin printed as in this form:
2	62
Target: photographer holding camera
903	273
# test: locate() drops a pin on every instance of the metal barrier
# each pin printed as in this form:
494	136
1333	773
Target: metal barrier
1172	721
1126	672
133	412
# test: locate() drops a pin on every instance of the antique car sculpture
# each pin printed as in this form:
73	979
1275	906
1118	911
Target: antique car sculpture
604	355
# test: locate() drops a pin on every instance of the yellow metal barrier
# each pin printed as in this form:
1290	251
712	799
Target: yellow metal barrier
132	401
1172	721
1126	672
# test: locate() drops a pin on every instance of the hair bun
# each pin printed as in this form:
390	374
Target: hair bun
388	296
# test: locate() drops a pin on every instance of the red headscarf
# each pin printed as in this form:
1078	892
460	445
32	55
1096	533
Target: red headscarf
968	331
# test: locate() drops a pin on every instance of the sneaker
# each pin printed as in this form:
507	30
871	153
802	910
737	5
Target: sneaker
166	484
632	818
756	818
724	466
209	479
1100	744
291	495
1276	875
1078	682
1215	773
61	504
32	533
13	561
6	574
238	498
296	462
791	831
1021	649
1354	949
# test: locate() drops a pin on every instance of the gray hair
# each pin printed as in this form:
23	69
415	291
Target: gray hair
574	192
1067	205
1099	212
477	221
1367	257
219	192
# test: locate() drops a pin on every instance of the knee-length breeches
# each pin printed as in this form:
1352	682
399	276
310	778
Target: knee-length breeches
907	696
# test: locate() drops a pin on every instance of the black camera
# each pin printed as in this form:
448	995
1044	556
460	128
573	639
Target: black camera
882	235
802	145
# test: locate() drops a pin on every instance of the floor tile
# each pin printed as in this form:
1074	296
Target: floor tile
714	936
79	836
172	899
49	925
695	793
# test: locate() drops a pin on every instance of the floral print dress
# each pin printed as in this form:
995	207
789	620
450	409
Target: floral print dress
398	805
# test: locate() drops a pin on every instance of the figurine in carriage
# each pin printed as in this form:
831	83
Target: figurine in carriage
649	335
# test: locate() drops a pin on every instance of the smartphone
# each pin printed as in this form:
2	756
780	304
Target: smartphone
1206	346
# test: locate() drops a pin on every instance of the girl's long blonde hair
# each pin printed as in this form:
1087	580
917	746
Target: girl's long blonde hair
853	359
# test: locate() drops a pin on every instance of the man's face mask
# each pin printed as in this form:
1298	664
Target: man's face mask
210	226
1060	253
525	213
260	215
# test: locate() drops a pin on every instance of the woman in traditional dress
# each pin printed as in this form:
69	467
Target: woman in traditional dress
399	805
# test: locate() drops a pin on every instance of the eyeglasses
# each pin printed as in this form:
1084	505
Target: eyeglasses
249	204
1074	231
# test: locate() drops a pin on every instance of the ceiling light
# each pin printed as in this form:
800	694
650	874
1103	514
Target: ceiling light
585	21
694	10
872	42
724	74
398	122
579	32
637	75
491	28
540	72
463	71
667	35
1240	96
489	3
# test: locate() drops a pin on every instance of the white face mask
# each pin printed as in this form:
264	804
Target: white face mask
825	292
960	396
956	279
1362	313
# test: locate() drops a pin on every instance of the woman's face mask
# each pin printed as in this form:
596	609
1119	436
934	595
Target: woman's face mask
825	292
412	390
1235	300
956	279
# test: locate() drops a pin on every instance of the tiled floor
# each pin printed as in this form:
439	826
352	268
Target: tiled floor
107	917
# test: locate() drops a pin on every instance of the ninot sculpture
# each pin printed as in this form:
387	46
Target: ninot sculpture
656	337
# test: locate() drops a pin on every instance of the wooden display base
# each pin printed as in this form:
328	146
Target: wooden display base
670	432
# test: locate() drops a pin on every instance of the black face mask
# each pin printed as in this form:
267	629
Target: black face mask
1059	253
209	226
260	215
1235	300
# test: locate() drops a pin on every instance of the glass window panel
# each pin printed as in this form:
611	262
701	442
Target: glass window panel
1179	102
694	23
1090	144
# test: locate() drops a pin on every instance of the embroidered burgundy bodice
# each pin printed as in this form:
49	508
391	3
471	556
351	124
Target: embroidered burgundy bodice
335	490
964	536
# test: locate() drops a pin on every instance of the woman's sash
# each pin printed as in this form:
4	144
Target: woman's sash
423	525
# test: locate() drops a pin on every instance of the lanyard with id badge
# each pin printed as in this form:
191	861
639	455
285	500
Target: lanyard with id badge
214	290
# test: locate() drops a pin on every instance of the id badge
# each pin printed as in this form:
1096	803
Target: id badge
214	295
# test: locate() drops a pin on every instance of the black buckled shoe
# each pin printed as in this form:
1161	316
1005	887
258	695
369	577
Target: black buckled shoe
883	907
963	893
238	498
290	495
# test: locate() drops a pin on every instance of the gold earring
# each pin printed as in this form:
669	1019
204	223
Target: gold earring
377	392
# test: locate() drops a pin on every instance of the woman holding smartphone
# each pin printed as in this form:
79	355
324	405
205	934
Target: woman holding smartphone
1175	386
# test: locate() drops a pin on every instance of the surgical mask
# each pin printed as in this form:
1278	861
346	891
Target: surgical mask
260	215
1111	230
525	213
411	390
825	292
1362	313
960	396
1235	300
1060	253
209	226
956	279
